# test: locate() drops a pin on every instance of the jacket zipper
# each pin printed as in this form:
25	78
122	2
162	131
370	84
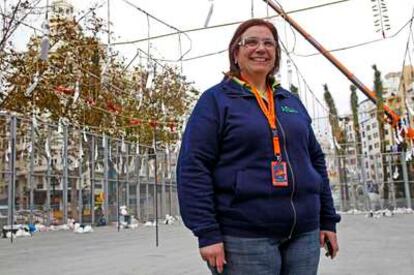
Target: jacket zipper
293	179
291	171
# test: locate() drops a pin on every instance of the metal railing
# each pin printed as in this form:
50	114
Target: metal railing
50	173
371	181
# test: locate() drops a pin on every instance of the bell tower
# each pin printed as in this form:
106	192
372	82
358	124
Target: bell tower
62	9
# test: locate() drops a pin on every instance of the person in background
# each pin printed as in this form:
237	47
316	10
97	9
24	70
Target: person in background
252	180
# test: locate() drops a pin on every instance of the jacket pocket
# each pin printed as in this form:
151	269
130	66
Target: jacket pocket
251	185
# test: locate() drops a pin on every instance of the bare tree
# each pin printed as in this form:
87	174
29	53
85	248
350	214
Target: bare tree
12	17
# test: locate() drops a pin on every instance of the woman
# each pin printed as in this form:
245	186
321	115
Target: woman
252	179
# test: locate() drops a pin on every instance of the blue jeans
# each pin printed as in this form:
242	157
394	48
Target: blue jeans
270	256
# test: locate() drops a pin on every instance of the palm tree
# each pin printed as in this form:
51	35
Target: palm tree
355	119
381	121
339	137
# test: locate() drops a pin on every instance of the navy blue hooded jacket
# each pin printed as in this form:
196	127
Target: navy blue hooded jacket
224	175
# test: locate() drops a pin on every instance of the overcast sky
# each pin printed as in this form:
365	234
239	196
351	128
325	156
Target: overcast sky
335	26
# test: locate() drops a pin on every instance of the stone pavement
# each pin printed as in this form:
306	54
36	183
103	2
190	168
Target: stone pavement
383	246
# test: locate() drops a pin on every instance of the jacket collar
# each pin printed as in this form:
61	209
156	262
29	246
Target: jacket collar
234	87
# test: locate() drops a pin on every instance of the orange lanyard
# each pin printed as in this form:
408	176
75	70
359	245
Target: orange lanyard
269	112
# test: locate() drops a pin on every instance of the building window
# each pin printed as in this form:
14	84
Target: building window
369	137
368	127
374	125
375	135
376	145
370	147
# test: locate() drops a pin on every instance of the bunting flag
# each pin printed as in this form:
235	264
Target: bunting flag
44	48
96	152
139	99
150	78
45	43
34	121
47	150
60	126
153	123
172	126
33	85
134	122
123	145
8	152
90	101
396	174
64	90
76	94
210	12
85	138
113	107
30	148
409	154
410	109
396	139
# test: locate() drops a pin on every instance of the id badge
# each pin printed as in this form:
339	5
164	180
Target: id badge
279	174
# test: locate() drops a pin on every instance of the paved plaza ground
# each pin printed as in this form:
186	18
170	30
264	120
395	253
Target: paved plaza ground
383	246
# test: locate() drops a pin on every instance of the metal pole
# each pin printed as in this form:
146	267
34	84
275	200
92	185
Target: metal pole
80	197
48	175
31	167
92	175
117	183
383	202
364	181
12	185
138	186
147	168
126	163
156	187
391	180
163	199
405	177
170	182
65	174
146	205
106	175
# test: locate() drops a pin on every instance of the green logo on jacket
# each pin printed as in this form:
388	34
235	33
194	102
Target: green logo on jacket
287	109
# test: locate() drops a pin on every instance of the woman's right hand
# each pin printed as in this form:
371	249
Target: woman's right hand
214	255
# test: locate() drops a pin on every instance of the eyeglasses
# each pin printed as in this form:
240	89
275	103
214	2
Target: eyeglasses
254	42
